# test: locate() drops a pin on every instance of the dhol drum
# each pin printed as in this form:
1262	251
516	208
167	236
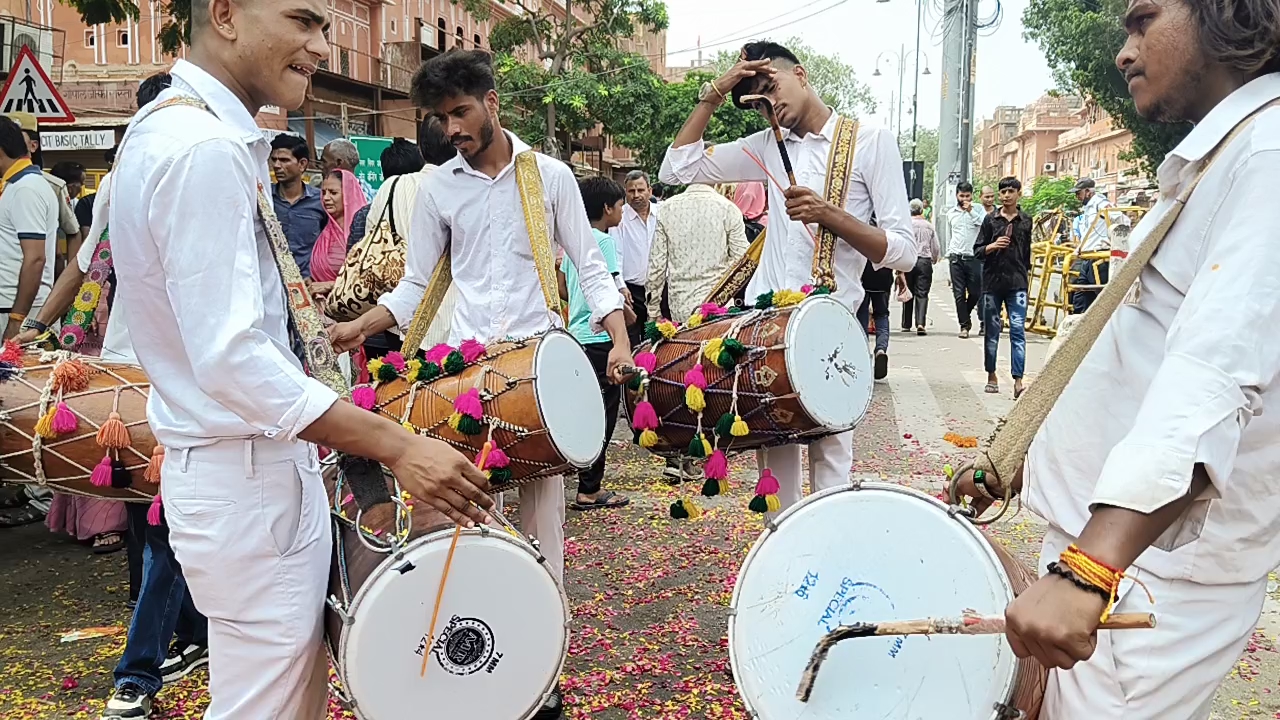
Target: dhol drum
501	634
876	552
64	416
538	398
804	373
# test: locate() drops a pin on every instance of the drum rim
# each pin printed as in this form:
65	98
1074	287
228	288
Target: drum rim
770	530
809	302
542	416
340	662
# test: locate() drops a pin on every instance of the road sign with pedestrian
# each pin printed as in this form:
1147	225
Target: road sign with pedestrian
29	90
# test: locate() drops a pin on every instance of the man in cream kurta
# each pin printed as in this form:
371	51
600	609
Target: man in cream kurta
875	188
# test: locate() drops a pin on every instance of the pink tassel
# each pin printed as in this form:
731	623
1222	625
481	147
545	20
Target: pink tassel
806	289
395	360
153	512
364	397
710	310
497	459
468	403
65	421
717	467
438	353
648	361
101	476
646	418
695	377
768	484
471	351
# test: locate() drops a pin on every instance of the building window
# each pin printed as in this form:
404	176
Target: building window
442	33
393	26
90	38
477	40
461	37
122	38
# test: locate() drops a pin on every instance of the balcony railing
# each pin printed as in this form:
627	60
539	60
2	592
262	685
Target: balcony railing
393	72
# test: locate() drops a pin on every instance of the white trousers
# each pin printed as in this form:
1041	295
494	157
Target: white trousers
1168	673
830	460
249	523
542	517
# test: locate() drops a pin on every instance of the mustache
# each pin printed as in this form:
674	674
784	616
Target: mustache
1131	74
460	139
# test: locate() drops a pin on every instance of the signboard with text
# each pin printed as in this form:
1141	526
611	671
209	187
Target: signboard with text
78	140
370	149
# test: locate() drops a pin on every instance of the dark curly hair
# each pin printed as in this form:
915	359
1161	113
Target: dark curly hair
453	74
1242	34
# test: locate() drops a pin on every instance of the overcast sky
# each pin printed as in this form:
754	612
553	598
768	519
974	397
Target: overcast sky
1011	70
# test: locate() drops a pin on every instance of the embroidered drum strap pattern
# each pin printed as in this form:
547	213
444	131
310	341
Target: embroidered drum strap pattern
739	275
839	168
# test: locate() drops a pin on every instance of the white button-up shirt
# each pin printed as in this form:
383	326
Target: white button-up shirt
1182	375
963	229
634	238
875	186
499	293
1088	229
199	284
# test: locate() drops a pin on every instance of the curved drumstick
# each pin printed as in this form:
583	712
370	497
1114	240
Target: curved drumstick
968	624
765	105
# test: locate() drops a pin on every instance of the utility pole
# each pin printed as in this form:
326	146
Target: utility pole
955	124
969	73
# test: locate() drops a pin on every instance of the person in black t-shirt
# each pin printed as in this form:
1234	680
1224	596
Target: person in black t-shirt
1004	244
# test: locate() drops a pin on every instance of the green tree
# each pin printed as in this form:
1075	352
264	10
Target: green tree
835	80
1051	194
926	152
1080	39
175	32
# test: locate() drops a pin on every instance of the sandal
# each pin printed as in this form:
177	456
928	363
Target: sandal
992	389
608	500
26	515
1017	392
107	543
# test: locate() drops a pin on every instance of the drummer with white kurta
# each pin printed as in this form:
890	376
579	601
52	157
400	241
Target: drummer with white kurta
875	187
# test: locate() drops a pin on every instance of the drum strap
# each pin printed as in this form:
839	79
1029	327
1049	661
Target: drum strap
1008	447
839	168
529	182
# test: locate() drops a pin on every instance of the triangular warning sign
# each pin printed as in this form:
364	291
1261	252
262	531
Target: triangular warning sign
29	90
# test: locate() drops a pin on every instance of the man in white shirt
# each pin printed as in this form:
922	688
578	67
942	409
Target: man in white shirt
230	401
700	236
1172	479
635	240
1090	233
28	230
473	205
964	220
875	186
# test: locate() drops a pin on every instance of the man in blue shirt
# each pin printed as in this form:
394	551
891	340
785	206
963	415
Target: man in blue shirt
297	204
604	200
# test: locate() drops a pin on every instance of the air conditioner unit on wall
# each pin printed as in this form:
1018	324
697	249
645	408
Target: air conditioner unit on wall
1050	167
13	35
427	35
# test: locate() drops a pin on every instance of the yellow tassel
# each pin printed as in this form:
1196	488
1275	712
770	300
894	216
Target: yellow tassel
454	419
374	365
773	502
411	369
740	428
694	320
706	447
692	508
784	298
667	328
409	426
44	427
694	398
712	349
724	486
648	439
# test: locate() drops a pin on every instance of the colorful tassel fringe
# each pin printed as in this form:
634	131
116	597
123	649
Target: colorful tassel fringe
498	459
694	399
766	499
724	426
428	372
648	361
64	421
101	475
468	403
648	438
70	376
153	512
646	418
454	364
12	353
438	353
717	467
712	487
685	509
44	426
364	397
152	473
471	351
395	360
121	478
113	434
740	427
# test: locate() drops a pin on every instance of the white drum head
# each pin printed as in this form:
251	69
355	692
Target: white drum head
569	398
881	553
829	364
500	637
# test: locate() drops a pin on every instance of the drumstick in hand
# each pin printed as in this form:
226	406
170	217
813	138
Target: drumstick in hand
969	624
444	576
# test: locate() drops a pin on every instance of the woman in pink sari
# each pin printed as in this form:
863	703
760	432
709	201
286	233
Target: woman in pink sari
342	197
752	201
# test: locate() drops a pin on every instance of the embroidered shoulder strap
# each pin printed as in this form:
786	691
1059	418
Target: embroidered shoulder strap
839	168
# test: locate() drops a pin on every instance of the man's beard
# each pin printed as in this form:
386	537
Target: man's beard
1178	105
486	137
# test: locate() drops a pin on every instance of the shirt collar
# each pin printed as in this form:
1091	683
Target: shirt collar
828	131
1226	115
629	214
694	189
517	146
16	170
192	79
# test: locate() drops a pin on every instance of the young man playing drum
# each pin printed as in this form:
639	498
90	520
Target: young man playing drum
873	185
211	322
1158	460
473	205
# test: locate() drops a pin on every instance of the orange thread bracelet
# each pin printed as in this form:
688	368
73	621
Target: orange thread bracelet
1094	572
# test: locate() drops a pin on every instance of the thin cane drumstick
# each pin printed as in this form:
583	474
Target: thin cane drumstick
444	576
968	624
766	106
774	180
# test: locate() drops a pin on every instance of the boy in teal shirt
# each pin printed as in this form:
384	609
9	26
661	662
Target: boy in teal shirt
603	199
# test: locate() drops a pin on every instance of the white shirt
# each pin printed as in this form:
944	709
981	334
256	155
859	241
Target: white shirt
1090	235
28	212
700	236
499	292
963	227
1183	375
875	185
116	346
634	238
198	281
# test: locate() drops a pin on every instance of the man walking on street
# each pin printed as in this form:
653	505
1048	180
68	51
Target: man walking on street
988	200
920	279
700	236
297	204
634	238
964	221
875	306
1090	233
1004	243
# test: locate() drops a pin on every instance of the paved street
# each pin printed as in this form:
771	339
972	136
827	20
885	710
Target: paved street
650	595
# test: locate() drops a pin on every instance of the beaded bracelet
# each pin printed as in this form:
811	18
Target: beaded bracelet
1066	574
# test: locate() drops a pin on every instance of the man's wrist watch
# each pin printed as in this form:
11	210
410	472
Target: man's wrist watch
710	93
34	324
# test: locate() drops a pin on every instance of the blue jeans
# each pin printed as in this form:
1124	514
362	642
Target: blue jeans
164	607
877	302
1015	303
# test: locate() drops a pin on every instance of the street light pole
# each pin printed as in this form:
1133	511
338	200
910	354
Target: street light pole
902	56
915	95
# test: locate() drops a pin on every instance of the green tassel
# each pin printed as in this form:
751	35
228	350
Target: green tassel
758	505
725	360
734	348
499	476
737	310
635	382
428	372
468	425
387	372
820	290
651	332
710	488
764	301
724	426
454	364
678	511
696	448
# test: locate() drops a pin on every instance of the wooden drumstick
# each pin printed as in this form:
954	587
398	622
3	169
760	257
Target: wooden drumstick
765	105
968	624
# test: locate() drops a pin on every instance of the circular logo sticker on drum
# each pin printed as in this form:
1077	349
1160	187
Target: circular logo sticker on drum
465	646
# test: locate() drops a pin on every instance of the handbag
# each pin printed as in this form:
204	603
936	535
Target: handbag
373	267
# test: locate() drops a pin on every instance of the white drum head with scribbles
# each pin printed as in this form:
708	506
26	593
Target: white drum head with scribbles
500	640
881	553
829	364
569	399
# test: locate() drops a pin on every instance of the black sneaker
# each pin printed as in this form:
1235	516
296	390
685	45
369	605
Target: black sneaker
553	708
882	365
183	659
128	701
